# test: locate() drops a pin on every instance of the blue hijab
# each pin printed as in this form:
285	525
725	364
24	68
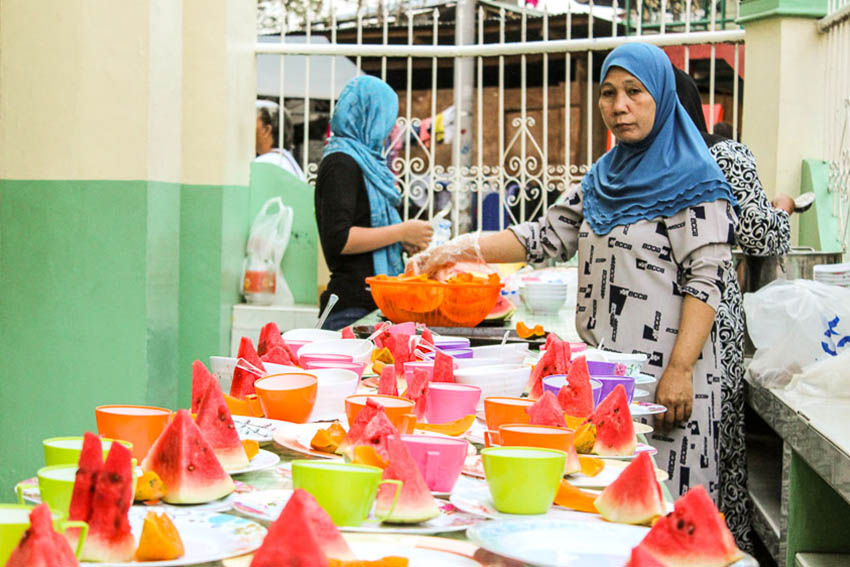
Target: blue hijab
364	116
666	172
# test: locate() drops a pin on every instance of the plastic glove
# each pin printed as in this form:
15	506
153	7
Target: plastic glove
464	248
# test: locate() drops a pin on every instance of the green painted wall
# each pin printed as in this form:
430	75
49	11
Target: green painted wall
818	225
751	10
88	296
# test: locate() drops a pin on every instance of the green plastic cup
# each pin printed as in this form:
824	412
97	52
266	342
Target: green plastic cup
66	450
523	480
14	521
345	490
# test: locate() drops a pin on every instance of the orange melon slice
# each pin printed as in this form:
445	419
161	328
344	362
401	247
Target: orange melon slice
252	447
149	487
160	540
453	428
574	498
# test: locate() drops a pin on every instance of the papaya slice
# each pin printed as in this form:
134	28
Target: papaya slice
367	455
574	498
383	355
452	428
389	561
149	487
160	540
574	422
591	466
328	440
524	332
585	438
237	406
252	447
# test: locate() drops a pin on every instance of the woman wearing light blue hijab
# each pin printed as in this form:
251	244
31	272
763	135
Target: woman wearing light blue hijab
356	200
652	223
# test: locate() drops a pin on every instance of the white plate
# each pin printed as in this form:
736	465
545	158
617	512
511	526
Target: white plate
641	448
643	428
266	505
260	429
261	461
640	393
206	537
644	379
564	543
607	475
297	436
641	409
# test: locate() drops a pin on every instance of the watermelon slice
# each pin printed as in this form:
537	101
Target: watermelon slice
641	558
576	396
110	538
347	333
187	464
387	385
357	433
546	411
374	434
556	360
90	464
40	545
243	380
303	534
219	431
573	463
417	391
269	337
551	338
201	378
635	496
278	355
615	430
415	503
427	336
694	533
444	367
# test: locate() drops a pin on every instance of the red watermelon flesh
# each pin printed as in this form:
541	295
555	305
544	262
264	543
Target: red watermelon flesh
615	430
269	337
387	384
187	464
546	411
217	427
347	333
641	558
573	463
243	379
556	360
90	464
694	533
417	391
415	503
40	545
278	355
576	396
635	496
401	352
356	432
201	378
444	367
110	538
550	339
303	535
428	336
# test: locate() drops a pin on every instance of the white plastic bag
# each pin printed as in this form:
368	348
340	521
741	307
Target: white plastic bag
266	245
793	324
826	378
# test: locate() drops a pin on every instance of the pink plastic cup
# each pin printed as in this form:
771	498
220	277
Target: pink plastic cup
356	367
296	345
440	459
447	401
324	357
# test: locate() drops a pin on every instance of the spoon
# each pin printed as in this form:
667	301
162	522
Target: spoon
331	302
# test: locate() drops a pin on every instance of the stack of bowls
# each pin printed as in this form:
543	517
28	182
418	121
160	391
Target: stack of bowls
501	380
544	297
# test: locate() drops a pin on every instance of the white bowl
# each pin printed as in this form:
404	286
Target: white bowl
470	362
509	353
360	350
501	380
545	304
272	368
633	361
310	335
335	384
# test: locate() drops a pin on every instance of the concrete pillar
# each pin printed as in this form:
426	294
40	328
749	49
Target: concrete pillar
783	90
109	114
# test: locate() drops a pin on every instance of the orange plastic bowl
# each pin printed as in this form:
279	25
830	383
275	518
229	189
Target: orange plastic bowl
289	397
437	304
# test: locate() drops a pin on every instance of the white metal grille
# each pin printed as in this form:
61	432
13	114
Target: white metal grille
836	27
526	124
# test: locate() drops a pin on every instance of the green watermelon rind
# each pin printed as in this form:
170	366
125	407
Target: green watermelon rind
415	504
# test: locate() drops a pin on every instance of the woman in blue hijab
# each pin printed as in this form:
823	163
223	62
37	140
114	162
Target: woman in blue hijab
652	223
356	200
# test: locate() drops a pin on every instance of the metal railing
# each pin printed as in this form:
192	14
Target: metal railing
530	127
836	27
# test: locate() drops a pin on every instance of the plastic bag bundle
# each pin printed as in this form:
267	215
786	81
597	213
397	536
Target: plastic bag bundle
262	279
794	324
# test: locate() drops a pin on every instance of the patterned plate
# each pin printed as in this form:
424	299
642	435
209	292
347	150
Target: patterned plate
640	393
260	429
644	379
261	461
640	409
266	505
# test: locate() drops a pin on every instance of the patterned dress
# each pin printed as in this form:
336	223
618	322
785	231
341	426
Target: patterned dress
632	282
761	231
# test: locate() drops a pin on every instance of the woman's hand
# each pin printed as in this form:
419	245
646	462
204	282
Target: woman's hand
783	202
416	233
675	391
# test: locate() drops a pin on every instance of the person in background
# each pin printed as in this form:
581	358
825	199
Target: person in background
652	222
356	201
723	129
763	230
268	136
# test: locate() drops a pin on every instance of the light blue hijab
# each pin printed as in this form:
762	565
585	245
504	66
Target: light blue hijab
666	172
363	118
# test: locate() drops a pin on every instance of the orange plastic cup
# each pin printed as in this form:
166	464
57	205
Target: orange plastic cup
523	435
288	397
140	425
399	410
500	410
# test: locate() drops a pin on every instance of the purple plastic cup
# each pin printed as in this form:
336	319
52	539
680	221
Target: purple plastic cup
450	342
555	382
598	368
611	382
458	352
